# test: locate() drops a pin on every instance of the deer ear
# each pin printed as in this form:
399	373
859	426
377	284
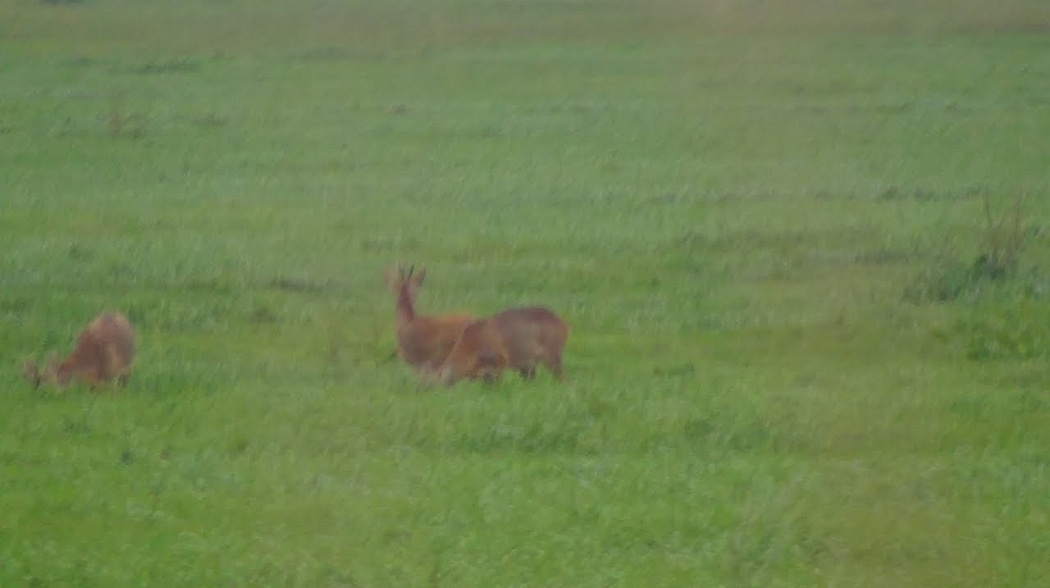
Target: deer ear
31	372
420	276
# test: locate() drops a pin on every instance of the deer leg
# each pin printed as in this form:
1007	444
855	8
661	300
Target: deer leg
554	364
528	372
426	377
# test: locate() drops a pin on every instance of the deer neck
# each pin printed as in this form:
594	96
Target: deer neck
406	312
65	371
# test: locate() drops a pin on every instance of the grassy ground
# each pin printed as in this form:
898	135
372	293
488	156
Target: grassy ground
761	220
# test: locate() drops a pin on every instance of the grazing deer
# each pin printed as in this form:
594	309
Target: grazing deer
423	342
105	350
517	338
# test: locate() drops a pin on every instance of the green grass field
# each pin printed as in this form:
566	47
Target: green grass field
761	218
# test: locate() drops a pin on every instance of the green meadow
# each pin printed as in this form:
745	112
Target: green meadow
804	247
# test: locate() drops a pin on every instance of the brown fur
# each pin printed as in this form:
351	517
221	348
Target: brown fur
423	342
105	351
517	338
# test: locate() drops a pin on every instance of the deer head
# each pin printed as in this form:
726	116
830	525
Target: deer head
37	375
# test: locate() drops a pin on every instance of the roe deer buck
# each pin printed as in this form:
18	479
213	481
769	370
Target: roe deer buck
517	338
423	342
105	350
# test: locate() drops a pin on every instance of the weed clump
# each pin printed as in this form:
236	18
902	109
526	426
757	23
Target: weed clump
1019	333
1001	240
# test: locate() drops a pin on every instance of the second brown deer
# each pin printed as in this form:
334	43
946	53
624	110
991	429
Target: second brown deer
423	341
517	338
104	351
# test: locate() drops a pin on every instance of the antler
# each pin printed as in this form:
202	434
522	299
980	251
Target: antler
401	272
404	274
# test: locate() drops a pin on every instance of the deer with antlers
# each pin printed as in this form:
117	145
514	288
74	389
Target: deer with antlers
423	341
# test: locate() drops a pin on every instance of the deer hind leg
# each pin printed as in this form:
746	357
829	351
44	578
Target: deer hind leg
528	372
533	354
553	363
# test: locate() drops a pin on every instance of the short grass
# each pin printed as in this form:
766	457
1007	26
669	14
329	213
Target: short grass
760	218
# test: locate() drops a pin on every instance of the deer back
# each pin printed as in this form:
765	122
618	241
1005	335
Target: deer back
529	333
